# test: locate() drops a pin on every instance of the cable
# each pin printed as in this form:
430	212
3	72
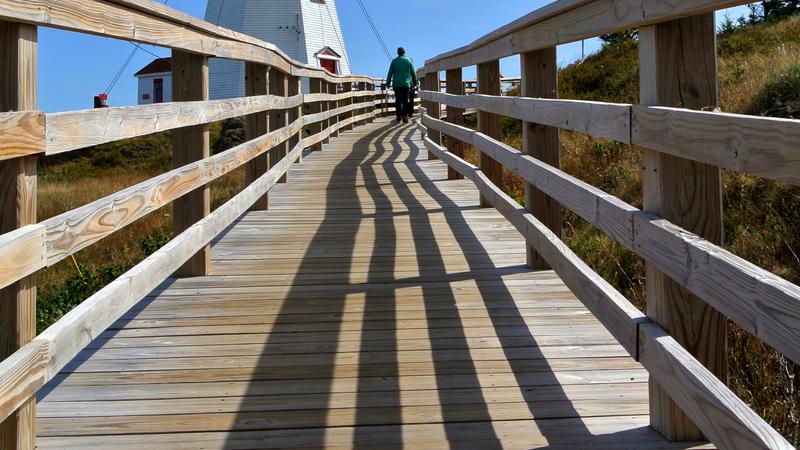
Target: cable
127	62
219	15
146	50
375	30
336	31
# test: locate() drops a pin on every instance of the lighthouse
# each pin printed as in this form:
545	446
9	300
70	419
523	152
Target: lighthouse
306	30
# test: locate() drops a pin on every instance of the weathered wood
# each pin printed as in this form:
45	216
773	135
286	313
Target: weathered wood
23	134
81	325
455	115
765	146
742	291
570	21
607	120
489	124
21	375
18	80
278	86
191	144
316	86
257	84
540	79
718	412
22	253
678	68
431	82
294	87
346	87
333	89
158	25
616	313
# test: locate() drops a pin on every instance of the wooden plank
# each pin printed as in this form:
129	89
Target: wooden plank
607	120
22	253
294	87
619	316
278	86
718	412
23	134
256	84
431	82
79	129
316	86
763	146
489	124
572	21
540	79
21	375
191	144
678	68
18	179
742	291
455	115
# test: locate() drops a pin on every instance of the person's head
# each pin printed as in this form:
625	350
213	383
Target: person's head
401	51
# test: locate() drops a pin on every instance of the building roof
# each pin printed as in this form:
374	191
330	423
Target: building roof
160	65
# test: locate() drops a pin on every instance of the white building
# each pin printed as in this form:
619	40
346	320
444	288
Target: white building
155	82
306	30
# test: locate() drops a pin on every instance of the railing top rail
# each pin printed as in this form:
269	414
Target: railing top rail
566	21
149	22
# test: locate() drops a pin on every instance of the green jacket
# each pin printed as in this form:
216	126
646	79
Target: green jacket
402	73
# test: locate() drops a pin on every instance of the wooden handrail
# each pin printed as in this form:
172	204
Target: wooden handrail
722	416
759	301
569	21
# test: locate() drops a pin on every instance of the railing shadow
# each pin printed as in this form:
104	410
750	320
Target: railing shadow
493	287
342	193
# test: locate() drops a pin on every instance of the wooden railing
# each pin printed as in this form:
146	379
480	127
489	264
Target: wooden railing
693	284
278	132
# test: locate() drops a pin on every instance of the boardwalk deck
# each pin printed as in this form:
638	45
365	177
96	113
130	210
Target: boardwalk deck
374	305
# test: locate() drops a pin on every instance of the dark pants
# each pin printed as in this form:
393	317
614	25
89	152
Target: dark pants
401	102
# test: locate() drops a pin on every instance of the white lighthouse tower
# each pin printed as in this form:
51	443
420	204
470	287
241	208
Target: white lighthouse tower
306	30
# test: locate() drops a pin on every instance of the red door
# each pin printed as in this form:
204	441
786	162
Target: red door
329	65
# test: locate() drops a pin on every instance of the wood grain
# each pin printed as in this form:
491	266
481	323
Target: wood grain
745	293
572	21
488	123
22	253
763	146
607	120
23	134
18	181
540	79
21	375
455	115
257	84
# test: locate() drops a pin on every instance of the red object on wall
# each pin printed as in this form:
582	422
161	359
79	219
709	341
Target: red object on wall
145	96
329	65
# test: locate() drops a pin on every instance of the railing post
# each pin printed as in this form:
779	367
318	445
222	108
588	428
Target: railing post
257	83
455	85
278	86
18	75
432	83
540	80
489	124
333	89
346	87
316	86
678	68
371	108
190	83
294	87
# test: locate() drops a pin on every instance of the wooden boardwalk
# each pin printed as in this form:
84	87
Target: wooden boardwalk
375	305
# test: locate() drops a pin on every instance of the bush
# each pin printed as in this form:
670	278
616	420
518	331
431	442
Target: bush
780	97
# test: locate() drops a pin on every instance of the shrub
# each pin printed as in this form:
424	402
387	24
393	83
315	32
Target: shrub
780	97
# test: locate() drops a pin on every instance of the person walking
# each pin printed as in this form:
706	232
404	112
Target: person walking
402	77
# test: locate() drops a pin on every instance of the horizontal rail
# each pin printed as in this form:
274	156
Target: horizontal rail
22	134
759	301
763	146
724	418
607	120
141	21
40	360
80	129
571	21
22	254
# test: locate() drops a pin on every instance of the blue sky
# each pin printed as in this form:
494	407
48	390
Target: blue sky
75	67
